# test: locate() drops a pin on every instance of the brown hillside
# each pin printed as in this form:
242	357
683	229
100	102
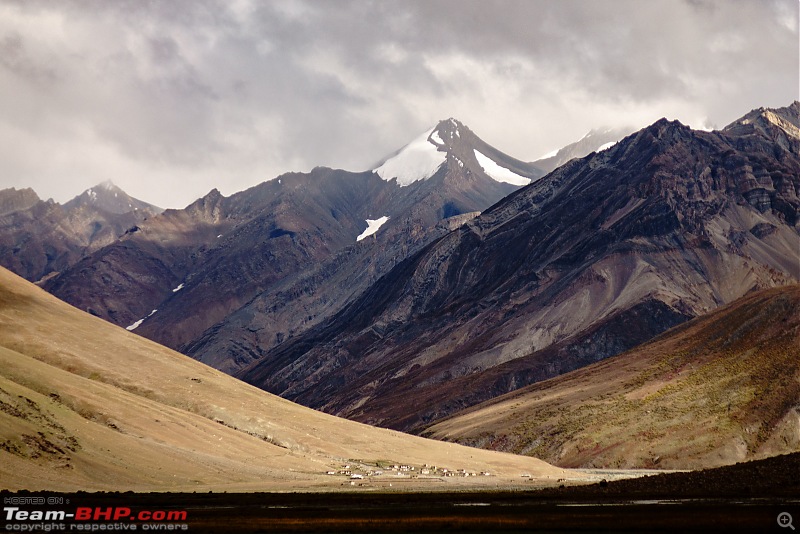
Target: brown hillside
720	389
86	405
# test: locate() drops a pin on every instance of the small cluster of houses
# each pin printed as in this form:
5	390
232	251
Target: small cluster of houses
361	471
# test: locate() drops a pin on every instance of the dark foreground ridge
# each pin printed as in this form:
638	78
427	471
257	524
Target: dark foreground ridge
746	497
777	477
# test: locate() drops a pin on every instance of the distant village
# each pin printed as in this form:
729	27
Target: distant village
358	470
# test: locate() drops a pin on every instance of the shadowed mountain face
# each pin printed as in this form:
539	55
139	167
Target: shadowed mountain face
227	278
39	239
595	258
720	389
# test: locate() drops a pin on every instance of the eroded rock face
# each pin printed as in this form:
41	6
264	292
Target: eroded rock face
591	260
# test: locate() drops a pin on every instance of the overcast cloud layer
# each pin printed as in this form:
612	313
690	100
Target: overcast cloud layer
169	99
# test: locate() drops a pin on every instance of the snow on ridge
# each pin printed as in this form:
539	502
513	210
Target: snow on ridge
551	154
178	288
435	137
418	160
501	174
604	146
372	227
138	323
135	325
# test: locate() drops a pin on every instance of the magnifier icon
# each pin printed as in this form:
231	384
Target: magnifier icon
785	520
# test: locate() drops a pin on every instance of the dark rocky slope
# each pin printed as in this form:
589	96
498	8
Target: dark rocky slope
593	259
722	388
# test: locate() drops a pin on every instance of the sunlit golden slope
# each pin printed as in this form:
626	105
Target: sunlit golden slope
87	405
717	390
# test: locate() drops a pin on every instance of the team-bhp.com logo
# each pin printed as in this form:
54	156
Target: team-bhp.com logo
93	519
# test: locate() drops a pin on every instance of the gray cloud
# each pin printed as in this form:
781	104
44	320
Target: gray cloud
170	99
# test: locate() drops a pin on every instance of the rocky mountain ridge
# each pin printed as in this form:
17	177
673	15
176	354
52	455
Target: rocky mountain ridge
41	238
279	242
595	258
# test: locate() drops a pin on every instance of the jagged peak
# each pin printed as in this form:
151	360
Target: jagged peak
211	196
664	122
109	197
792	111
786	120
205	204
13	199
107	186
21	191
664	128
450	141
448	130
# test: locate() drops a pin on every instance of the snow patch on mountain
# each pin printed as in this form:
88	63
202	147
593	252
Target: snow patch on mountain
138	323
135	325
605	146
551	154
418	160
501	174
372	227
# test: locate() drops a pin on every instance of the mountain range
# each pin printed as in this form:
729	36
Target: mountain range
450	273
40	238
593	259
227	278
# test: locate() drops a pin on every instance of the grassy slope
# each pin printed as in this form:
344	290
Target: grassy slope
85	405
717	390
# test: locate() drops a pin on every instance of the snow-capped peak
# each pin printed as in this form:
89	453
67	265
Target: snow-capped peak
451	141
418	160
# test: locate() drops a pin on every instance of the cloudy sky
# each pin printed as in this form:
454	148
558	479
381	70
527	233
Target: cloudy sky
171	98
